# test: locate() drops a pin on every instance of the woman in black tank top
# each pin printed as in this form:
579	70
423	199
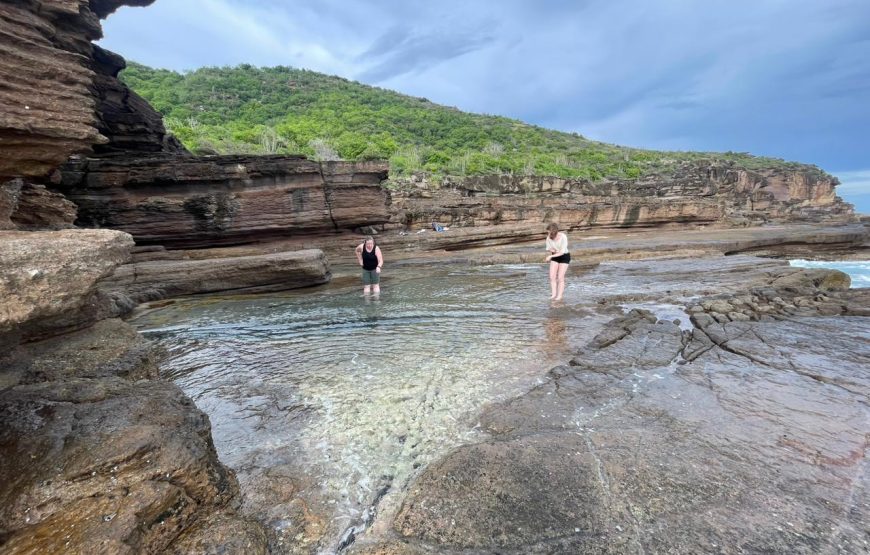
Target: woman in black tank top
369	256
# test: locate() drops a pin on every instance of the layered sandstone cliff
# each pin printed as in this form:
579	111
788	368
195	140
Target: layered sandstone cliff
182	201
47	91
697	193
98	455
192	202
129	123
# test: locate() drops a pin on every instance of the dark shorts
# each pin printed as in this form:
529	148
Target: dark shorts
564	259
371	277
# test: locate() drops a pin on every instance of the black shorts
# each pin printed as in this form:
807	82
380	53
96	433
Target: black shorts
563	259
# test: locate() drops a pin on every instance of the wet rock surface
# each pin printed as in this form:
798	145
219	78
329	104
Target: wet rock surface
104	465
222	533
745	432
100	458
108	348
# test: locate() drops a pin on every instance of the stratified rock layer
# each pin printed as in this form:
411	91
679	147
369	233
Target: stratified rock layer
215	200
152	280
47	98
125	118
28	206
695	193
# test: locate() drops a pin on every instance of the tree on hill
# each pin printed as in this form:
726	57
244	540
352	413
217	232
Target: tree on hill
251	110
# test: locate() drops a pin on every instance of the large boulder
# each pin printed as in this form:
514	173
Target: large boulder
105	465
151	280
53	274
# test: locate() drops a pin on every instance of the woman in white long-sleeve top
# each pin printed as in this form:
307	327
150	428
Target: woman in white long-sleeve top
559	258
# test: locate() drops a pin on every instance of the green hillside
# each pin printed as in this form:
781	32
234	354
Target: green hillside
246	109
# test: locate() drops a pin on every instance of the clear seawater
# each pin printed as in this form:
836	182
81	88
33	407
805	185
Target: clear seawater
858	270
356	392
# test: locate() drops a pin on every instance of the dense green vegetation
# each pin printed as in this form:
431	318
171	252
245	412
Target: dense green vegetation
246	109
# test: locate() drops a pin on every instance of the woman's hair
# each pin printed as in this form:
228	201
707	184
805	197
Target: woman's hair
369	238
552	230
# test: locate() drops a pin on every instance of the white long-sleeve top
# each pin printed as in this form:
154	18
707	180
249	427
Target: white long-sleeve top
559	244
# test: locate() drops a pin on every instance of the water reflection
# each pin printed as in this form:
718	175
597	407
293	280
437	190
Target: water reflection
555	334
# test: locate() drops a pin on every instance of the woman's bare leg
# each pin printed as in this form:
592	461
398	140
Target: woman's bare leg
554	273
563	269
366	289
376	288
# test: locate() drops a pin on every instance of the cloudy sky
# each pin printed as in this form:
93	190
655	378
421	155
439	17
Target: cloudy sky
783	78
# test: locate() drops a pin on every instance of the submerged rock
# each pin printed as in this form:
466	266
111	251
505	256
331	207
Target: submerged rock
745	435
108	348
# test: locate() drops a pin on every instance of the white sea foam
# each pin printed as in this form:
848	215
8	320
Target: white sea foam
858	270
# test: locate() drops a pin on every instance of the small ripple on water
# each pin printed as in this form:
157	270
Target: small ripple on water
353	389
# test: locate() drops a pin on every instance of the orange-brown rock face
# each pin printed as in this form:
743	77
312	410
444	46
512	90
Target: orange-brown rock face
223	200
699	194
48	106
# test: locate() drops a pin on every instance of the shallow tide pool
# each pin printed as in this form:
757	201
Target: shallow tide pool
355	394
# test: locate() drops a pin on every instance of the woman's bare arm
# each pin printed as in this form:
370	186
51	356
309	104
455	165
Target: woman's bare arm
380	257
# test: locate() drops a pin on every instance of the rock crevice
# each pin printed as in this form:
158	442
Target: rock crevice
662	439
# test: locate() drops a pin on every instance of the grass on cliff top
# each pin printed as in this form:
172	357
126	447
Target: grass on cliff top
281	110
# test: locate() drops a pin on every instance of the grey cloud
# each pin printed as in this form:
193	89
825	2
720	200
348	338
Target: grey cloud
398	52
789	79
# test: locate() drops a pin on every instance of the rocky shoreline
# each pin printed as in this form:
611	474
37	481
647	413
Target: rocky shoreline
743	432
106	373
759	410
99	453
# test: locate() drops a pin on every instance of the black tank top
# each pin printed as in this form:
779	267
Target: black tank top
370	259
